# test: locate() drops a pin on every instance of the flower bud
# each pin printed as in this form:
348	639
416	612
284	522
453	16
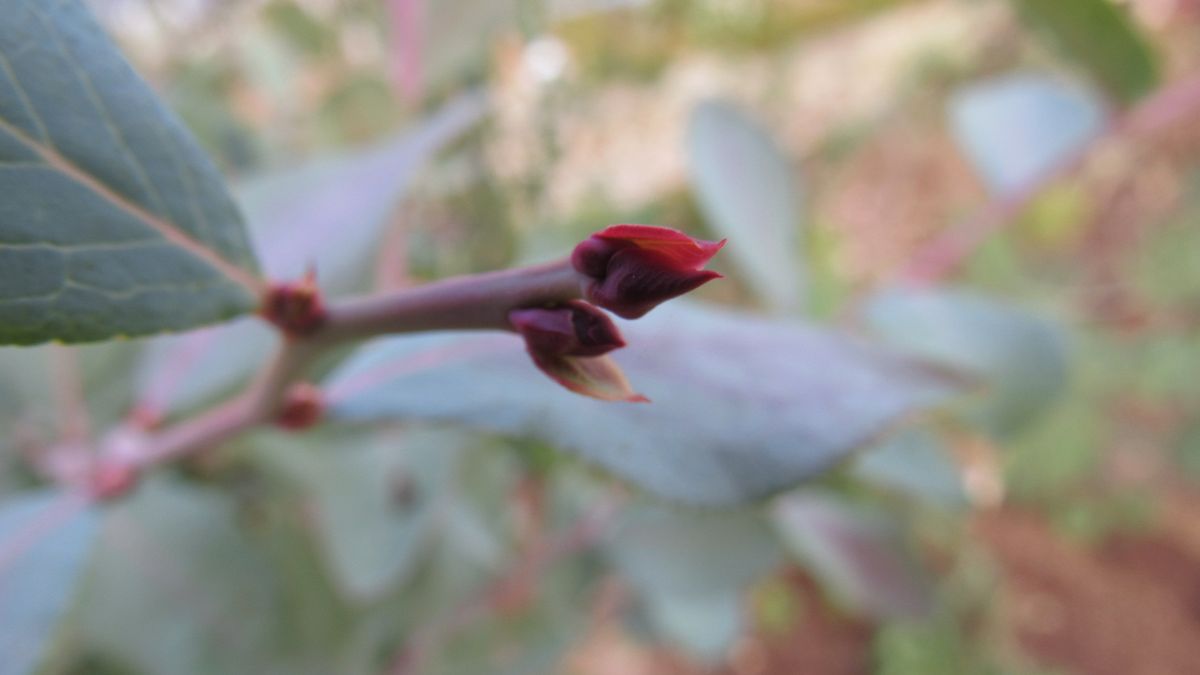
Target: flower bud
572	328
568	342
633	268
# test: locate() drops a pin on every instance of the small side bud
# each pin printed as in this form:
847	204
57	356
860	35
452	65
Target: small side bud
633	268
303	407
297	308
571	328
568	342
112	480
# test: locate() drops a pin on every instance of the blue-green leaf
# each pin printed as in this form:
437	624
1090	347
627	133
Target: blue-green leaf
741	407
375	499
691	569
858	555
1018	129
750	195
113	221
45	538
1021	357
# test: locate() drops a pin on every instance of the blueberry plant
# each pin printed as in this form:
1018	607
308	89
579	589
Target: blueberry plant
426	477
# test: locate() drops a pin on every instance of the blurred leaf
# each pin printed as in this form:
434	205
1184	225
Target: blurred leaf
858	556
375	499
331	211
177	587
459	35
915	462
750	195
1017	129
45	539
1022	357
741	407
329	214
691	570
177	372
1101	37
113	221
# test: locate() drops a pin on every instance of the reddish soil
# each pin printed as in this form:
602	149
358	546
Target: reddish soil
1130	606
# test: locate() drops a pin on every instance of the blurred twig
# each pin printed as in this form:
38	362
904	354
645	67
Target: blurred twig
947	252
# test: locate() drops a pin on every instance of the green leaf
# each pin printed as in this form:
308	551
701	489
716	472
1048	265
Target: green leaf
691	569
1099	36
858	555
1021	357
1018	129
177	587
741	407
375	500
914	462
328	213
45	539
749	194
113	221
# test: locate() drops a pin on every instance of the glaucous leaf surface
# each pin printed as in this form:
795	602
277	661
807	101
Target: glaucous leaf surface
1100	36
45	539
113	220
1021	357
690	570
176	586
914	462
749	194
858	556
1017	129
741	407
375	499
328	214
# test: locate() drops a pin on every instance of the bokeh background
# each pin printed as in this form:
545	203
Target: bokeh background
1007	188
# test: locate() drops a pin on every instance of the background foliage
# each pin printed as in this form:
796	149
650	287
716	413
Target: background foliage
902	465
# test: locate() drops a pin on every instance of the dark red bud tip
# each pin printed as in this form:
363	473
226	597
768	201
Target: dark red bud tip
571	328
295	307
111	480
633	268
302	407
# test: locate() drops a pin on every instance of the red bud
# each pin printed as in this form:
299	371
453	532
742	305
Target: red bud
635	267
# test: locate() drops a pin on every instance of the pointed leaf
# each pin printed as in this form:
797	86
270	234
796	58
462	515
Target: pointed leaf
914	462
1021	357
330	214
1017	129
690	569
857	554
45	539
178	587
741	406
375	499
750	195
1101	37
113	221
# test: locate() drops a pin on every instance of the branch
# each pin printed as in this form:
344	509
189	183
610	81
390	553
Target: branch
949	250
472	302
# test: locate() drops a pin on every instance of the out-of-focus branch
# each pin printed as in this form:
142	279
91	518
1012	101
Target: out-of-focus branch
1168	107
471	302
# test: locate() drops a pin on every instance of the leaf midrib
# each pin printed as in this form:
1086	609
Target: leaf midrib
170	231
